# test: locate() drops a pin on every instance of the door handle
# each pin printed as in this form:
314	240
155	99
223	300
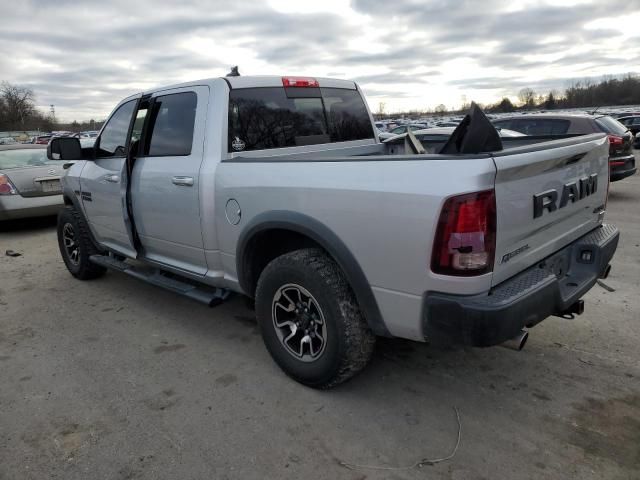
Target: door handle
183	181
112	178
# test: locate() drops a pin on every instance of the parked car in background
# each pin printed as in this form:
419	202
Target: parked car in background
631	122
622	162
618	115
88	134
29	182
447	124
447	131
433	139
7	141
401	129
87	142
41	140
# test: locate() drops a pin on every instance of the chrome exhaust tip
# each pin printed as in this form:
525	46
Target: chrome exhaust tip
517	343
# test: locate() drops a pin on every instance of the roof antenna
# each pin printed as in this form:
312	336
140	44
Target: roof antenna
234	72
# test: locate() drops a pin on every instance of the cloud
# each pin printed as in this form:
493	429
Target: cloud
408	53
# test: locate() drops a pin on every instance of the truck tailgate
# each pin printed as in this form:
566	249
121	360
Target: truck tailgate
547	195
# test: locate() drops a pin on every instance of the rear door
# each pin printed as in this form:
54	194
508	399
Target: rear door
165	181
547	195
103	182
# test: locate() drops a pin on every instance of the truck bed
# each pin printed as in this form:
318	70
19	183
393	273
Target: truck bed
385	208
433	143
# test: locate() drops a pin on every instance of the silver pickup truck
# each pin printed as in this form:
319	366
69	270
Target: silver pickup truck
277	188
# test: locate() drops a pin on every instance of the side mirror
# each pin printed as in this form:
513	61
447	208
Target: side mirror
64	148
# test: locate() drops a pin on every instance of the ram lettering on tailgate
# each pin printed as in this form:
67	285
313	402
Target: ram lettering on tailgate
571	192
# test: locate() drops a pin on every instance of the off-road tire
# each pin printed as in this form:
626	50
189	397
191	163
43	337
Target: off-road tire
83	268
349	341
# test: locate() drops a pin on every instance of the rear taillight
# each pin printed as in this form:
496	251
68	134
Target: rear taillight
615	141
606	198
465	239
6	187
299	82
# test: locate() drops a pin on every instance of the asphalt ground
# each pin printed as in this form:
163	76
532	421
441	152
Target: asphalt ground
117	379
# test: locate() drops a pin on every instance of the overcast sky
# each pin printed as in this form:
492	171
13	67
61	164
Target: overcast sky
411	54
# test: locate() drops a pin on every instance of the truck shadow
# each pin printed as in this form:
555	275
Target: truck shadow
22	224
615	195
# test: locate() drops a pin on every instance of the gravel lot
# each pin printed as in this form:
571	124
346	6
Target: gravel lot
116	379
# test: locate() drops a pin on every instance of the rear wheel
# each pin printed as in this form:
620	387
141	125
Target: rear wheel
76	245
310	320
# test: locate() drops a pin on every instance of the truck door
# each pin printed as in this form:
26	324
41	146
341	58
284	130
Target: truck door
103	182
165	183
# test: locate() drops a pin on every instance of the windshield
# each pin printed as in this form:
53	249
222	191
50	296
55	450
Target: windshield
32	157
609	125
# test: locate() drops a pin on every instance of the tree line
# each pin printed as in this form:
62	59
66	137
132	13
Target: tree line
609	91
18	112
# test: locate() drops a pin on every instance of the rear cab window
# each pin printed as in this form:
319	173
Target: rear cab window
276	117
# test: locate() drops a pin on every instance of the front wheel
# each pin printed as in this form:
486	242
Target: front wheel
310	320
76	245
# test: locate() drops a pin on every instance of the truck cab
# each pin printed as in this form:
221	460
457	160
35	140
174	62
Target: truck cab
156	156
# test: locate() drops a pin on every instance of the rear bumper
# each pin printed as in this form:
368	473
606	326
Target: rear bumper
17	206
548	288
622	167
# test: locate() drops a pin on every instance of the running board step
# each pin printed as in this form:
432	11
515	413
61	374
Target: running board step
210	296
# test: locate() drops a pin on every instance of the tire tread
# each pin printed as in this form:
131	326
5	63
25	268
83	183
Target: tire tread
86	270
358	337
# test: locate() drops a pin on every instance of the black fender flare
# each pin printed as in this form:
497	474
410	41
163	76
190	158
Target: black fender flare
72	197
329	241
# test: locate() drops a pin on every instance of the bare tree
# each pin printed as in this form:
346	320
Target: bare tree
526	97
551	101
17	105
441	108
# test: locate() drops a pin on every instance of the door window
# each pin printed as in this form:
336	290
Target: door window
171	125
113	140
138	124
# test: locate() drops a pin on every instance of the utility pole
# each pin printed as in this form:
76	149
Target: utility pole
52	115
